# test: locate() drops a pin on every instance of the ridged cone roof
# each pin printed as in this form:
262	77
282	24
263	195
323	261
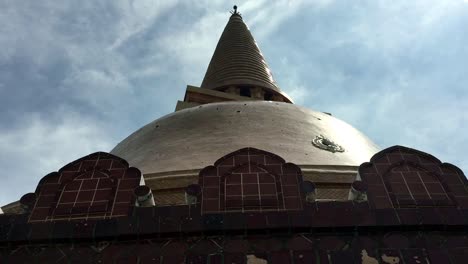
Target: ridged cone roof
237	60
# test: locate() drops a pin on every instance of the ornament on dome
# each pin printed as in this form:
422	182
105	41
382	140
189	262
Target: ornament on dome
324	143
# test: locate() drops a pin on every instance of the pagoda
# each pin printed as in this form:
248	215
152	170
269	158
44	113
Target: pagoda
238	173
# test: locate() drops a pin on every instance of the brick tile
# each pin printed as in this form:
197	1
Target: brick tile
89	184
169	224
289	179
268	189
261	245
409	216
19	232
41	230
396	240
292	203
233	221
304	257
428	177
68	197
214	181
274	169
394	157
236	246
331	243
386	217
88	165
430	216
345	256
438	256
84	229
128	184
454	241
452	216
210	192
372	178
39	214
106	228
381	168
62	230
413	256
73	186
124	196
230	258
191	259
45	200
265	178
215	259
323	256
241	159
127	226
381	202
150	260
364	216
250	189
458	256
290	190
105	184
255	221
280	257
251	201
417	188
400	188
300	243
85	196
411	157
213	221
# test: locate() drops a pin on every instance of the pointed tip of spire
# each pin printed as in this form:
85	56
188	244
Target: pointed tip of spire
235	12
238	62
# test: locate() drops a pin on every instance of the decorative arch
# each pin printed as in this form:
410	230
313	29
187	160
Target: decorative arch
251	187
99	185
400	177
410	185
251	180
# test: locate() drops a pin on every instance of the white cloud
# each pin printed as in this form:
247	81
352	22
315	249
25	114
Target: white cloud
394	70
40	145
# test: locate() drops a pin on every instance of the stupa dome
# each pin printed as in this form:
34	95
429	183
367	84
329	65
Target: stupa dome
237	106
196	137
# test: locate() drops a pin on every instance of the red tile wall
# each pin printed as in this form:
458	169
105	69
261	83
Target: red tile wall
99	185
400	177
339	248
251	180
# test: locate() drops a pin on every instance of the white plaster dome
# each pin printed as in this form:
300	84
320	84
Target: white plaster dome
194	138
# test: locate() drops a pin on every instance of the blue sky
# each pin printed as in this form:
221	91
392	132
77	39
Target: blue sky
79	76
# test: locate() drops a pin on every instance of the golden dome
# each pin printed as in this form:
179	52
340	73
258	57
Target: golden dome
196	137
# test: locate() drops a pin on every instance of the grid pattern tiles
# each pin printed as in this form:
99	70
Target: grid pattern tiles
400	177
251	180
99	185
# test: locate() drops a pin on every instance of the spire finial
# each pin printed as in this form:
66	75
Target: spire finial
234	12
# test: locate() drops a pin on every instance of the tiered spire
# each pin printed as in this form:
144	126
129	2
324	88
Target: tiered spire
237	60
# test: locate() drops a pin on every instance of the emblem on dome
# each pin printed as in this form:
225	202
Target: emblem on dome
326	144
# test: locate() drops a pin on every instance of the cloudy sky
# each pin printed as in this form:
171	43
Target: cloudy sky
79	76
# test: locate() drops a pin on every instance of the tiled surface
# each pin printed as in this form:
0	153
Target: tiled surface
251	180
400	177
389	228
325	247
99	185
